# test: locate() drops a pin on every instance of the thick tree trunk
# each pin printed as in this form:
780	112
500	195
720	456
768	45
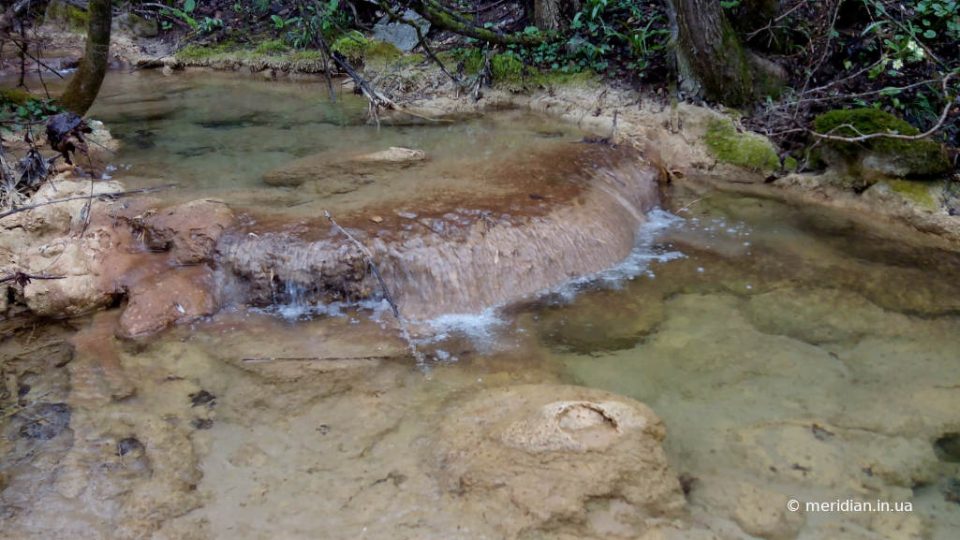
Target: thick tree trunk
85	83
546	14
710	50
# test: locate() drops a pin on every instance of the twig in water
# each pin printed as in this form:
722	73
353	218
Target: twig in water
405	333
269	359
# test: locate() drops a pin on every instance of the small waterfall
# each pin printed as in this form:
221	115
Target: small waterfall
483	256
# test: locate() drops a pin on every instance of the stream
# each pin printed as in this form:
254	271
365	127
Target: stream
790	352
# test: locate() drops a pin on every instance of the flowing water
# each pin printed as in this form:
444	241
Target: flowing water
790	352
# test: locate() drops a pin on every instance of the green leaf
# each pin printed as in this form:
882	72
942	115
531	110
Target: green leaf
929	34
189	6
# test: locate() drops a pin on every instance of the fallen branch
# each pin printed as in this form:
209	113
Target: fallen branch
23	279
269	359
99	196
449	20
376	98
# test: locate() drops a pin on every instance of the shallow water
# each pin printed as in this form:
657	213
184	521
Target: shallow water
216	135
789	352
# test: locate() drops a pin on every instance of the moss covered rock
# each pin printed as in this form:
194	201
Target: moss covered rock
882	156
356	48
749	150
64	15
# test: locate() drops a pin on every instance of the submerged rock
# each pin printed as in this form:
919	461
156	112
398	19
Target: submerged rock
336	173
332	170
532	455
177	296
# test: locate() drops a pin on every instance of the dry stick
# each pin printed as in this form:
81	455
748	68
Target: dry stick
20	276
375	97
110	195
266	359
404	332
22	45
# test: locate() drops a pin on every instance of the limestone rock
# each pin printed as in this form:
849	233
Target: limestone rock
394	154
758	511
80	290
190	230
881	157
135	25
529	455
400	35
177	296
336	174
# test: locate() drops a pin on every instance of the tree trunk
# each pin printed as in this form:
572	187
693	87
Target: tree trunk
85	83
546	14
709	49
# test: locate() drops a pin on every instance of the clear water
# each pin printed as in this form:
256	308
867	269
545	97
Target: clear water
216	135
787	350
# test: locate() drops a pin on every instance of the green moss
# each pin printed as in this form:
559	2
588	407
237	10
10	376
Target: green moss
559	78
506	67
352	45
748	150
382	50
790	164
306	55
918	192
473	61
15	96
273	46
199	52
921	157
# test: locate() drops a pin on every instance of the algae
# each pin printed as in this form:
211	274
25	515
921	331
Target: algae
749	150
918	192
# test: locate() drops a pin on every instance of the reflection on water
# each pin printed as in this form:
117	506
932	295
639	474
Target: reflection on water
789	352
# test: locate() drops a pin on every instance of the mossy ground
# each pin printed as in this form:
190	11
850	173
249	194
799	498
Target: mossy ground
354	46
748	150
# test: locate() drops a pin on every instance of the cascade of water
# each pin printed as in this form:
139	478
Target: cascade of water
487	253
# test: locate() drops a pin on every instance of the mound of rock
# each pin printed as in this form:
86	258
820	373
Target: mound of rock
531	457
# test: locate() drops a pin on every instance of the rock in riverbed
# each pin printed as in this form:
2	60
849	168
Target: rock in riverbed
333	168
531	455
